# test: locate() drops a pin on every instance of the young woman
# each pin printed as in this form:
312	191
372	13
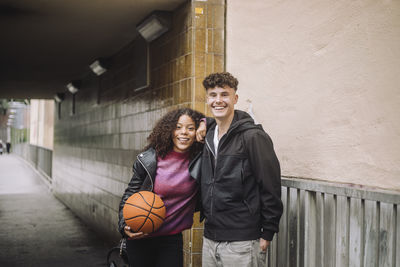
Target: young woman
166	167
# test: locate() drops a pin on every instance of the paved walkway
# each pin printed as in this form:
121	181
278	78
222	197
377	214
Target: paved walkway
38	230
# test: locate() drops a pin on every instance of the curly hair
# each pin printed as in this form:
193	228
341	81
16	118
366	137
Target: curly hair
220	79
161	137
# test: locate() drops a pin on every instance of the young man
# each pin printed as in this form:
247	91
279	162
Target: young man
240	182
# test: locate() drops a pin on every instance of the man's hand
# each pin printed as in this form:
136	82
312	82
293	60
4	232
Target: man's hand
264	244
133	235
201	132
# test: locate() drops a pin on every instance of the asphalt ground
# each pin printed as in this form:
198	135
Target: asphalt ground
38	230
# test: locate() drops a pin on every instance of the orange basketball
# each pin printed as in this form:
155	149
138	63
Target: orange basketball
144	212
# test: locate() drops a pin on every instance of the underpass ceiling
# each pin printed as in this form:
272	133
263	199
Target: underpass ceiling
44	44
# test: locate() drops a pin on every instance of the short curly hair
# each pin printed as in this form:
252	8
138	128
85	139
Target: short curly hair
161	137
220	79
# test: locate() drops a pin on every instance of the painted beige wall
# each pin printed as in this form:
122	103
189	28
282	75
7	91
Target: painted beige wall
323	77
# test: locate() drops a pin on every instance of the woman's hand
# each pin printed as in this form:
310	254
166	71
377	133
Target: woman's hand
201	132
133	235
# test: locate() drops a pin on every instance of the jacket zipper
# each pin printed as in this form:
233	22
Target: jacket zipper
215	167
209	148
151	178
213	178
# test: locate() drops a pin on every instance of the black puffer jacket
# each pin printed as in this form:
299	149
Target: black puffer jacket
144	172
241	187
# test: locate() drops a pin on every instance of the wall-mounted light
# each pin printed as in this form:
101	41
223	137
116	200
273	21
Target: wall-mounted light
59	97
74	86
99	66
154	25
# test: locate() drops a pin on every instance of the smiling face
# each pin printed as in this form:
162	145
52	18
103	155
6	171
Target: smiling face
184	135
221	102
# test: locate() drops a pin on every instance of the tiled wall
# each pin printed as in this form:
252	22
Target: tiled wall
95	147
208	53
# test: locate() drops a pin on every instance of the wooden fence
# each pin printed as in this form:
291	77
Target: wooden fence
326	224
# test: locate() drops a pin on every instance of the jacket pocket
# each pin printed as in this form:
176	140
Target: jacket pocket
248	207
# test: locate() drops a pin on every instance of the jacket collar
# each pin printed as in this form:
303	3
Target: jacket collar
148	159
241	121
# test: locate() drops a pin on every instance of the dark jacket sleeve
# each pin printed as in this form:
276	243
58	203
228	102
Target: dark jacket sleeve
195	172
139	174
209	122
266	169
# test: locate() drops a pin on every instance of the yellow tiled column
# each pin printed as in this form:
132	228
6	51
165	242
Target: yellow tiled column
209	46
181	59
208	56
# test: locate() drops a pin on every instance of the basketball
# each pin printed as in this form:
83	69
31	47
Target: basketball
144	212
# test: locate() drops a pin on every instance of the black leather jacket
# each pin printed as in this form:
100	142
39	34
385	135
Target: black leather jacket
144	172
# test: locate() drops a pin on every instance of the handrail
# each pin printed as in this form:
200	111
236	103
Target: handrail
346	190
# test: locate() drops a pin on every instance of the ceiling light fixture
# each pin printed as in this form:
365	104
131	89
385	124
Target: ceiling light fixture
73	87
59	97
99	66
154	25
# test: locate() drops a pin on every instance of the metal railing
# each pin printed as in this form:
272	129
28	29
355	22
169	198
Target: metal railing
41	158
327	224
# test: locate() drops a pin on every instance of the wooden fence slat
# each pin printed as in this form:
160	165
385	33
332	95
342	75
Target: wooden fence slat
283	229
371	233
356	232
310	229
329	231
386	235
272	257
342	246
397	244
301	234
292	227
319	230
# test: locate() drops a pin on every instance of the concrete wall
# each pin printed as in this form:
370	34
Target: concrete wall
3	119
3	127
323	78
95	146
41	123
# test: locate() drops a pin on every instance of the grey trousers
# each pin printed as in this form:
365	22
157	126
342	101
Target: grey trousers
233	254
